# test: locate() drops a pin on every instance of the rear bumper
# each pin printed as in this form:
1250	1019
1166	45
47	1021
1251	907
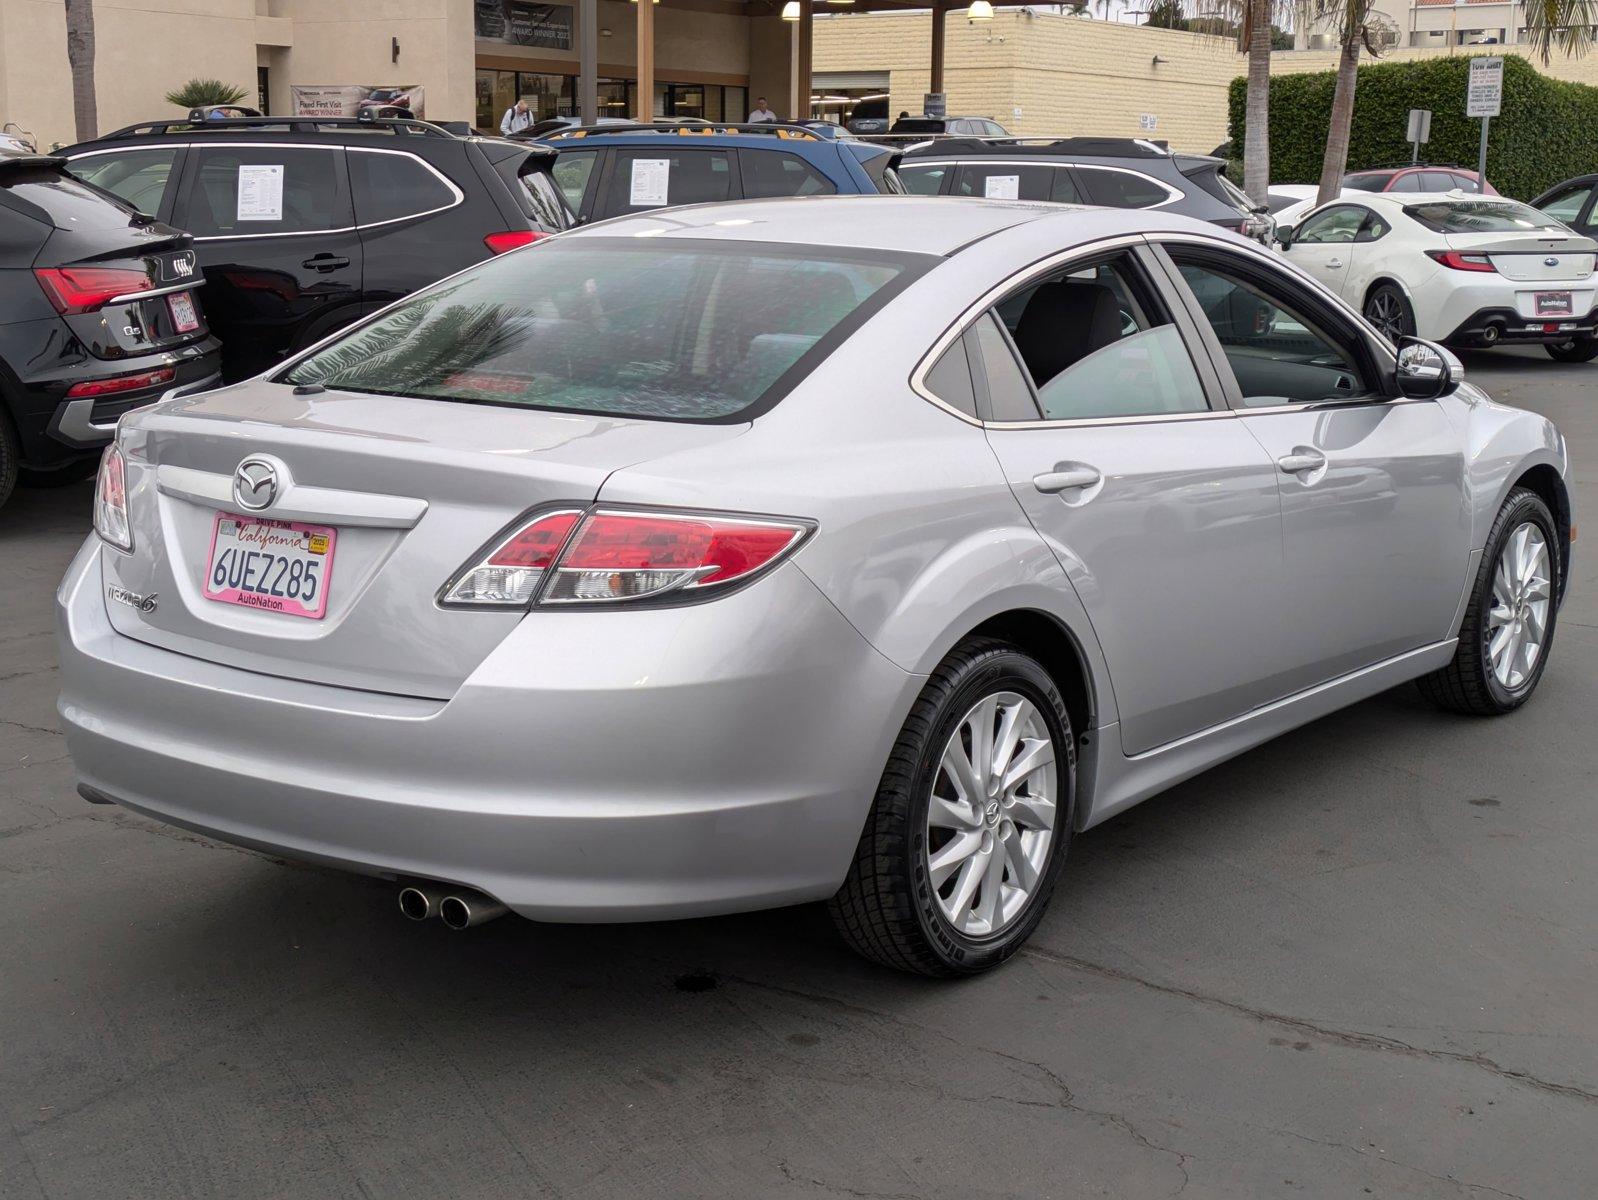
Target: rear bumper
1505	326
89	423
596	766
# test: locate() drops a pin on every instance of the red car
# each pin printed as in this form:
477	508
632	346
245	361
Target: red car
1421	177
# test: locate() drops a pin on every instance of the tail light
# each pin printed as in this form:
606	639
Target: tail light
121	383
84	289
613	556
512	239
1459	261
111	501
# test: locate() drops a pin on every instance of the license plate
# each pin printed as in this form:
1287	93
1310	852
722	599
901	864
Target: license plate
184	316
276	566
1554	304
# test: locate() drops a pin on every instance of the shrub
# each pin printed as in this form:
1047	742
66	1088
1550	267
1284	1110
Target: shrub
198	93
1542	136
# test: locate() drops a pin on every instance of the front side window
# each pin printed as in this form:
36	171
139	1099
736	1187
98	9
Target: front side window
1408	182
1567	205
138	176
387	187
685	331
1481	216
646	178
1122	189
1097	345
778	173
572	171
265	189
1005	181
1278	355
1331	226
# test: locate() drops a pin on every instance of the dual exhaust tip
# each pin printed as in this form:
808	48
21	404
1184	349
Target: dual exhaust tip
459	908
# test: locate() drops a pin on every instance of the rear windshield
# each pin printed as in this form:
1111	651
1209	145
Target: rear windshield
1481	216
1372	182
680	330
919	125
69	203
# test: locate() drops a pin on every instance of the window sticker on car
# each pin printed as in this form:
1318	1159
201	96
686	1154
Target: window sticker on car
260	192
650	180
1002	187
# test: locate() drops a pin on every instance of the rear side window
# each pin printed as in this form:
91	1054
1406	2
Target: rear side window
543	199
1368	182
684	331
641	179
778	173
574	169
1064	190
922	180
1567	205
1122	189
265	189
1009	397
388	187
1407	183
138	176
1005	181
950	379
1437	181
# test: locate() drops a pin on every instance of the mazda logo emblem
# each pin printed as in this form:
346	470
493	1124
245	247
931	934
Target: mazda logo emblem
255	483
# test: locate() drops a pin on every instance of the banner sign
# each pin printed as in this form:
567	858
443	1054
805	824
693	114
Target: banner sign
544	26
353	99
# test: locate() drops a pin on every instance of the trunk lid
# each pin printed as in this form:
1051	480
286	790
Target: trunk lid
413	487
1531	259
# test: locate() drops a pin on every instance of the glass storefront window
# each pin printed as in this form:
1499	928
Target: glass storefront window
556	96
735	103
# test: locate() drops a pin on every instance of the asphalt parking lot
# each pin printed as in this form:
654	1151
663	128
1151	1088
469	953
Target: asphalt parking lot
1359	961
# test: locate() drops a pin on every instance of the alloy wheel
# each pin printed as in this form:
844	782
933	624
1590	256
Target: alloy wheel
1517	622
1384	311
991	816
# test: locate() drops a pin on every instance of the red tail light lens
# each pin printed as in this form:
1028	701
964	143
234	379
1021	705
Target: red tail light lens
617	556
84	289
513	239
121	383
1459	261
111	501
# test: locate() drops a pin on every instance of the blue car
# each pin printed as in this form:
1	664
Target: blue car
614	170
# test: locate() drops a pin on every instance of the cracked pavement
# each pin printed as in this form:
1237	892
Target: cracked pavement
1359	961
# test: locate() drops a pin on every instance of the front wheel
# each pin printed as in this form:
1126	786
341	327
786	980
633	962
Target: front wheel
1577	350
971	820
1388	309
1509	626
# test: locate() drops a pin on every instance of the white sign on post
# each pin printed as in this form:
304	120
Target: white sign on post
1485	93
1002	187
650	181
260	196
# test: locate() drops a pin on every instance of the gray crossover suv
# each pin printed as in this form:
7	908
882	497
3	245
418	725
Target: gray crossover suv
862	550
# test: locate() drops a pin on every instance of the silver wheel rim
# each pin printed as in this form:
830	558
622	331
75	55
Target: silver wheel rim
991	815
1517	623
1385	314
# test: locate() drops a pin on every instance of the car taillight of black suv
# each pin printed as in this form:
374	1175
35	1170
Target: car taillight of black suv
99	314
303	225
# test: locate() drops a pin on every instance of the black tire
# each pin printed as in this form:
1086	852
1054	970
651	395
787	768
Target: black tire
10	456
75	471
1577	350
1468	684
1387	308
887	908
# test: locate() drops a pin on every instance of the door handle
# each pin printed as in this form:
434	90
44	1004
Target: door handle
325	262
1334	263
1066	477
1301	462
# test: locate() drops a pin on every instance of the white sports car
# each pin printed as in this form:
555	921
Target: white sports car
1458	268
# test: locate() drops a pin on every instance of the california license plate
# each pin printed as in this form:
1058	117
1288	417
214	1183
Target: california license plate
185	318
277	566
1554	304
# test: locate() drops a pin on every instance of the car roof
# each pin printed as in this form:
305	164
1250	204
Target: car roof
937	225
759	136
336	130
1073	148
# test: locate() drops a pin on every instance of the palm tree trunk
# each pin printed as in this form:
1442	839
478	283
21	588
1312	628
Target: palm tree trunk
1336	161
1257	119
80	57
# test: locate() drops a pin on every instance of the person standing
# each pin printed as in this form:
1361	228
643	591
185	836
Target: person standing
516	118
761	114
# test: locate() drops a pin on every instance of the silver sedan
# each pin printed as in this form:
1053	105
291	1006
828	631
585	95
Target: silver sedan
856	550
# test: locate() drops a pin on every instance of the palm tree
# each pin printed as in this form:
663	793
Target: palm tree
202	93
1255	36
1567	24
80	57
1357	25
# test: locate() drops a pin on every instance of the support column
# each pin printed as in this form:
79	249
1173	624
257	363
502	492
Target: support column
646	61
802	86
588	61
938	13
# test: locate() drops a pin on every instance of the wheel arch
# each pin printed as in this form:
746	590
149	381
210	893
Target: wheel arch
1546	482
1393	280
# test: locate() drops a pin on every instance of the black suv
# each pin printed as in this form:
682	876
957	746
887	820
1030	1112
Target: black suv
303	225
1111	172
97	316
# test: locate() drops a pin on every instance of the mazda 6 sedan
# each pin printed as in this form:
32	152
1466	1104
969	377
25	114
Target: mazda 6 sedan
862	550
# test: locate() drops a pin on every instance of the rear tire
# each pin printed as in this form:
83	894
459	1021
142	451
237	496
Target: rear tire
1577	350
10	456
1388	309
894	906
75	471
1477	683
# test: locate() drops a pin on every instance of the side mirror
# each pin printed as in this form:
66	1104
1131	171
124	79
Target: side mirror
1426	371
1284	236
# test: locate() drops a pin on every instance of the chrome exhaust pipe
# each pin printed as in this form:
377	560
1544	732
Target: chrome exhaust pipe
462	910
420	902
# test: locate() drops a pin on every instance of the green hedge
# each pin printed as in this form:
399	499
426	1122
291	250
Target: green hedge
1545	133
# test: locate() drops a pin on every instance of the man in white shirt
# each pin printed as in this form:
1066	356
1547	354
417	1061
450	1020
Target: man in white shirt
761	114
516	118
